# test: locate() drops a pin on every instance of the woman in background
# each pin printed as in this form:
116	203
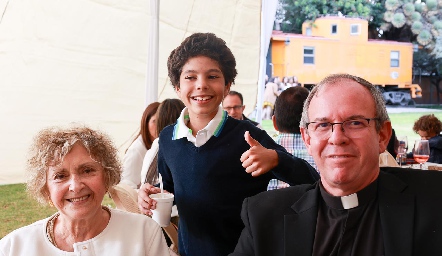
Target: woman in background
133	158
167	114
72	169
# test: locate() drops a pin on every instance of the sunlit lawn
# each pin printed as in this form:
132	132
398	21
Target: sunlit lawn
17	209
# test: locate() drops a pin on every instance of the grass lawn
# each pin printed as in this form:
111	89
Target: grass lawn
18	210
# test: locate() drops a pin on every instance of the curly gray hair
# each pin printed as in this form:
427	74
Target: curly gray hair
52	144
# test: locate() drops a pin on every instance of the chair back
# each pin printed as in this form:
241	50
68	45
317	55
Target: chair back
386	159
126	198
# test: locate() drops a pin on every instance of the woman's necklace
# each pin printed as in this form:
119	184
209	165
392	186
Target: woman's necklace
50	229
51	222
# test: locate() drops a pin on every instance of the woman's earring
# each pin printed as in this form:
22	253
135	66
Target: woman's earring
50	202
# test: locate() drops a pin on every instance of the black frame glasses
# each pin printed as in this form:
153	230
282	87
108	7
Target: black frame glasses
351	128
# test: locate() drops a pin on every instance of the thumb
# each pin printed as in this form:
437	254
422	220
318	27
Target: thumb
251	141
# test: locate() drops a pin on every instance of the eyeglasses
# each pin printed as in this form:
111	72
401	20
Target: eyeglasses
236	108
352	128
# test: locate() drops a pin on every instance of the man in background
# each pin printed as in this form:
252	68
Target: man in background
233	104
288	112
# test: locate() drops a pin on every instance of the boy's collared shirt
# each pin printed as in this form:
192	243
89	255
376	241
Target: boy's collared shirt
213	128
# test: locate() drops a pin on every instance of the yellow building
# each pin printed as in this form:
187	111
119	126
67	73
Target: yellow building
335	44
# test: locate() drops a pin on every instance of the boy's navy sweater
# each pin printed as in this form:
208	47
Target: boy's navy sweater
210	184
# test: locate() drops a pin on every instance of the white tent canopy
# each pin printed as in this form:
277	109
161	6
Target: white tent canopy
85	61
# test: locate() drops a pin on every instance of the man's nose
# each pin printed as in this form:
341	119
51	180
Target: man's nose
337	134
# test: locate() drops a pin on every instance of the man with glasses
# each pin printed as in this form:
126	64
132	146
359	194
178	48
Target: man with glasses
356	208
233	104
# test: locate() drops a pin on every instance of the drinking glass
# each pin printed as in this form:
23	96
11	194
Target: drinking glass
421	152
402	149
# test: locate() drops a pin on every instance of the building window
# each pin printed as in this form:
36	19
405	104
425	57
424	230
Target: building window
354	29
334	29
309	55
308	31
394	59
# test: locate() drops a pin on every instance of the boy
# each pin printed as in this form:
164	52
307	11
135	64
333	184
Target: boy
203	156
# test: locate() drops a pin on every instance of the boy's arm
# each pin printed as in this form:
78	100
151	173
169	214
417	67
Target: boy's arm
294	170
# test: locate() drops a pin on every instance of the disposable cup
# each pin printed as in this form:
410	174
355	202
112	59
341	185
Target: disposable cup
161	214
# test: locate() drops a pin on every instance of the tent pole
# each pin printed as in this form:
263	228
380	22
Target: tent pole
152	54
262	62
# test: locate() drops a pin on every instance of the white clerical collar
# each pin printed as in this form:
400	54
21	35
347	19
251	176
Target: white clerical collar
362	197
350	201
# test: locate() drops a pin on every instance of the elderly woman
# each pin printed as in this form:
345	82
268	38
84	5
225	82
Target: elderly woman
72	169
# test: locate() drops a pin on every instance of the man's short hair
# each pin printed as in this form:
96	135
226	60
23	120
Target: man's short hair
288	109
235	93
380	109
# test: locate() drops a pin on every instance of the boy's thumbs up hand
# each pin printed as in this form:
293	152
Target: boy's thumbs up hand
258	159
251	141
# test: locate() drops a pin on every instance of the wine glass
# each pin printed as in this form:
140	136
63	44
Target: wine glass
402	149
421	151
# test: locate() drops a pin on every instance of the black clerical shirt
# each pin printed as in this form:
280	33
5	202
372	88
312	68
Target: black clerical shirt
355	231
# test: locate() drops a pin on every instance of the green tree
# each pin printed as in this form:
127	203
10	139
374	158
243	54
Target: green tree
400	20
414	21
294	12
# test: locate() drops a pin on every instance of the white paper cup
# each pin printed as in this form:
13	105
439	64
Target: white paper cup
161	214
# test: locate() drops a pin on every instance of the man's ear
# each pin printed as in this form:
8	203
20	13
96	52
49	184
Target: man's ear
384	136
274	123
306	138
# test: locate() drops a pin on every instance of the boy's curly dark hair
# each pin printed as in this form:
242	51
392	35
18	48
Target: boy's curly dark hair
202	44
428	123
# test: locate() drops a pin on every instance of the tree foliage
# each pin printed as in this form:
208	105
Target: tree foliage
295	12
415	21
420	22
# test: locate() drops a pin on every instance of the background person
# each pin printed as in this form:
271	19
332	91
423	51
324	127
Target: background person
270	94
233	105
167	114
209	161
356	208
134	155
429	127
286	119
72	169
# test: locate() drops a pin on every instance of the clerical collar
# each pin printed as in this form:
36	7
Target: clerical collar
351	201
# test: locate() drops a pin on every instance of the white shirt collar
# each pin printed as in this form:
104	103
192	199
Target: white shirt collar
213	128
